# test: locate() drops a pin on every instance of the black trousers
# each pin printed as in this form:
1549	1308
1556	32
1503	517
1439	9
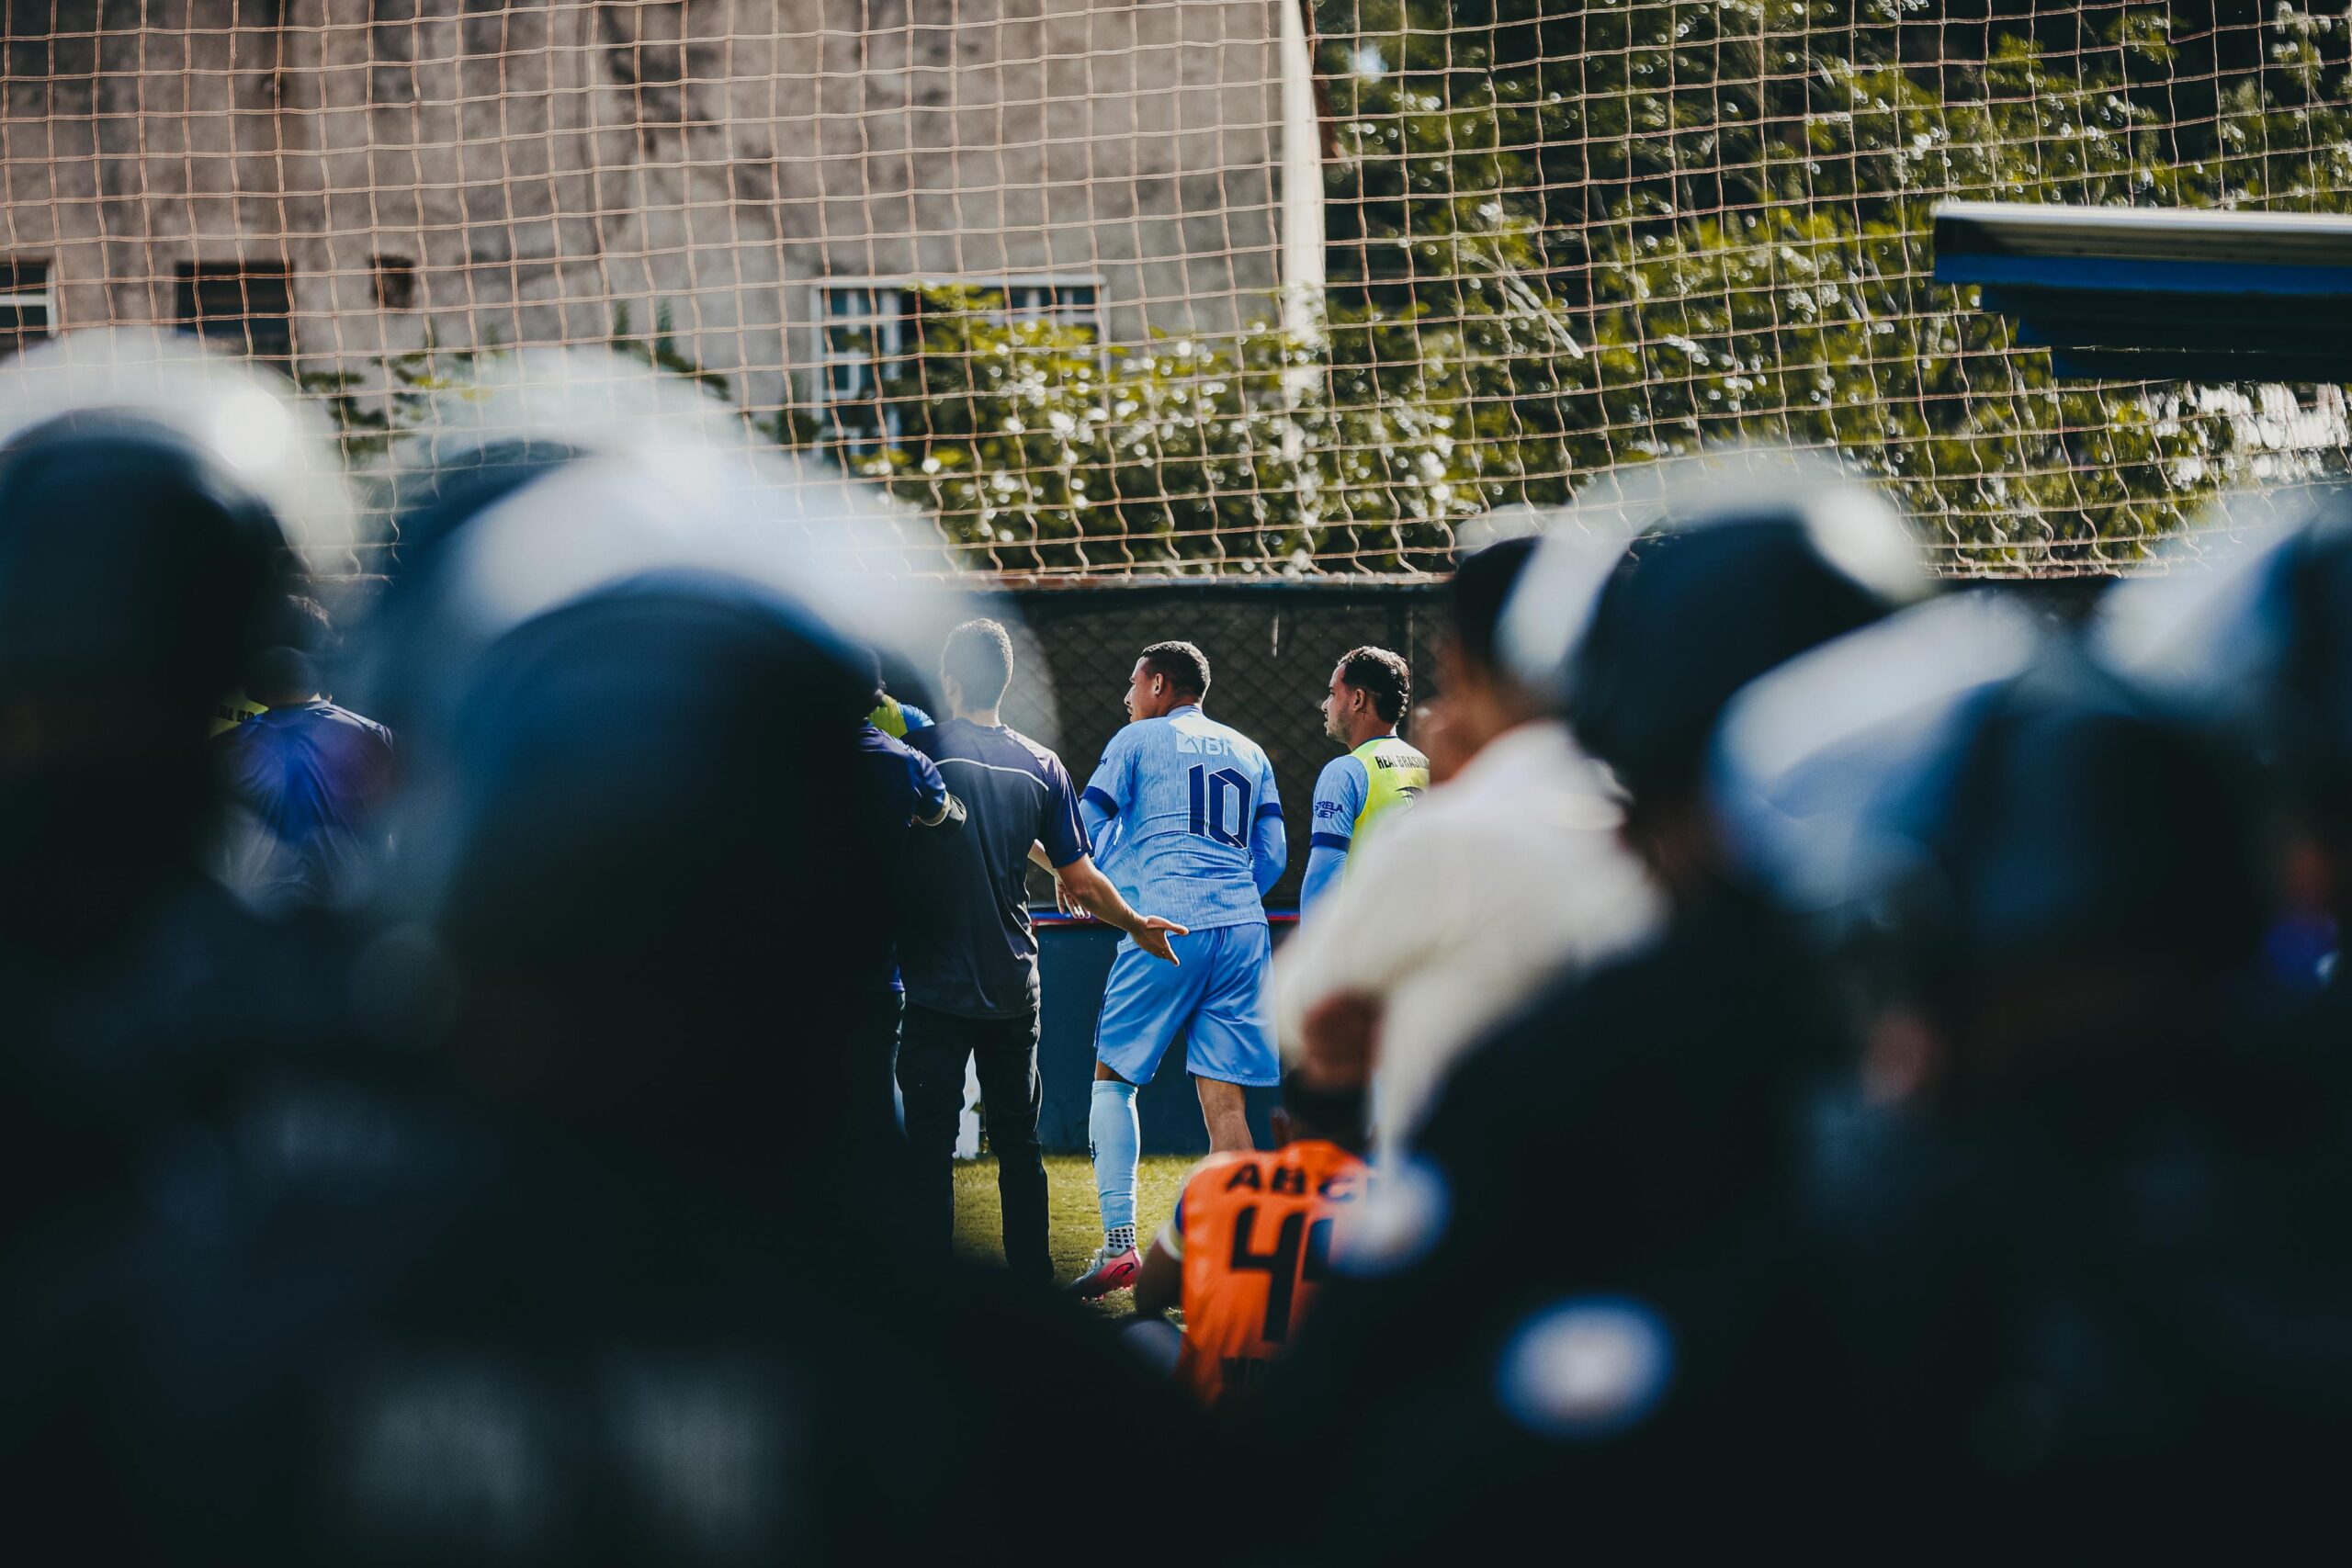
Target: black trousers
932	1048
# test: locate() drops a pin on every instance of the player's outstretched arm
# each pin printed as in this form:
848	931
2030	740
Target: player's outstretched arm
1086	887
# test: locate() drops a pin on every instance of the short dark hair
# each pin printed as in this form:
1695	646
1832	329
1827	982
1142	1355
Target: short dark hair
1184	667
978	658
1382	676
299	621
1341	1116
1475	599
298	635
281	672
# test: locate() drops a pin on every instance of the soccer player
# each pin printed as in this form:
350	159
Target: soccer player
892	717
1200	839
306	778
1251	1240
1370	689
968	954
899	790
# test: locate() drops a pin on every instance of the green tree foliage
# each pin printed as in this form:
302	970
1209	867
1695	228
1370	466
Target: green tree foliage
1727	204
1565	235
1041	450
1565	240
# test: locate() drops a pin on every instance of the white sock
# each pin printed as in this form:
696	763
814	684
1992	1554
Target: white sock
1113	1136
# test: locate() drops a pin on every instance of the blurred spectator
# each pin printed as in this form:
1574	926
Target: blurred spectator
138	571
1370	689
2088	1228
1252	1240
591	1304
1596	1224
1439	740
723	1294
136	568
967	951
2253	650
1497	880
307	779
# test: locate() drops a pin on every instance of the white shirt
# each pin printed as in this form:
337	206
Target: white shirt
1461	909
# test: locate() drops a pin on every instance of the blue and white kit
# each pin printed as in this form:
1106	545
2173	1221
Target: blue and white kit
1186	822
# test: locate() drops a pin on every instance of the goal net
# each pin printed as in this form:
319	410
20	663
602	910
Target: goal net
1121	287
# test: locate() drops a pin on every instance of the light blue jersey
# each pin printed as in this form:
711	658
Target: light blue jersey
1184	819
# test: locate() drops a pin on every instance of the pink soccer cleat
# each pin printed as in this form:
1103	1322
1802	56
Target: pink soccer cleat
1106	1273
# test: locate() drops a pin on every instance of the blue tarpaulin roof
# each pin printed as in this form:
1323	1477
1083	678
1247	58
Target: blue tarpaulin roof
2161	295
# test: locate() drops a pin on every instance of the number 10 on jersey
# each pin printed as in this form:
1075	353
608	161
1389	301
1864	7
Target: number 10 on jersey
1211	793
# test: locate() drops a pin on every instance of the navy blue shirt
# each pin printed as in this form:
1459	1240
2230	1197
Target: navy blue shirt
965	942
900	786
307	781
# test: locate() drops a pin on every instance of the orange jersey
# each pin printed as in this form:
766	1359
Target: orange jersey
1255	1234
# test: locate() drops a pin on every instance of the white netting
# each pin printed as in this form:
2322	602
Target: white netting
1113	286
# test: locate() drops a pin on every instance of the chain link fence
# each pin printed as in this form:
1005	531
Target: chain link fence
1271	648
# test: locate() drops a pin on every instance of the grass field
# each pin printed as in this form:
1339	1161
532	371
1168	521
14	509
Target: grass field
1078	1223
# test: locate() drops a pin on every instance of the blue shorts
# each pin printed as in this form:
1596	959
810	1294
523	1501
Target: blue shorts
1216	997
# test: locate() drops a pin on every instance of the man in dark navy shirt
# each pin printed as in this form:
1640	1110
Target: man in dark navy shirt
969	953
306	779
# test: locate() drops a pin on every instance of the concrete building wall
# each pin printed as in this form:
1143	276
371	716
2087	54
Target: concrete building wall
544	162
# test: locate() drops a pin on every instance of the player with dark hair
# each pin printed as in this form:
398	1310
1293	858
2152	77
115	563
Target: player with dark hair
1371	688
1251	1240
968	953
1199	836
306	778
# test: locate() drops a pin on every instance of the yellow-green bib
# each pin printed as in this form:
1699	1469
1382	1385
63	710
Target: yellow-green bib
1396	774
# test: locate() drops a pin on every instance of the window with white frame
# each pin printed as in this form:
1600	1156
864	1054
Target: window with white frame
869	329
28	306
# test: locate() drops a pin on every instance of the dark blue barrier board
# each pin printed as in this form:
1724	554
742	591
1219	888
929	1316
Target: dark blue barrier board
1073	962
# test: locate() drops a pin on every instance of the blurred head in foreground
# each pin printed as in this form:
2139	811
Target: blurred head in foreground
626	691
148	497
631	874
2037	867
553	473
2257	648
1724	577
1478	697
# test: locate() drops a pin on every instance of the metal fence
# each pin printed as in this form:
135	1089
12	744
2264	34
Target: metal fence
1271	648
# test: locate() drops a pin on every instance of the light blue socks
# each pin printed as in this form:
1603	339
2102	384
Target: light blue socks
1113	1138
